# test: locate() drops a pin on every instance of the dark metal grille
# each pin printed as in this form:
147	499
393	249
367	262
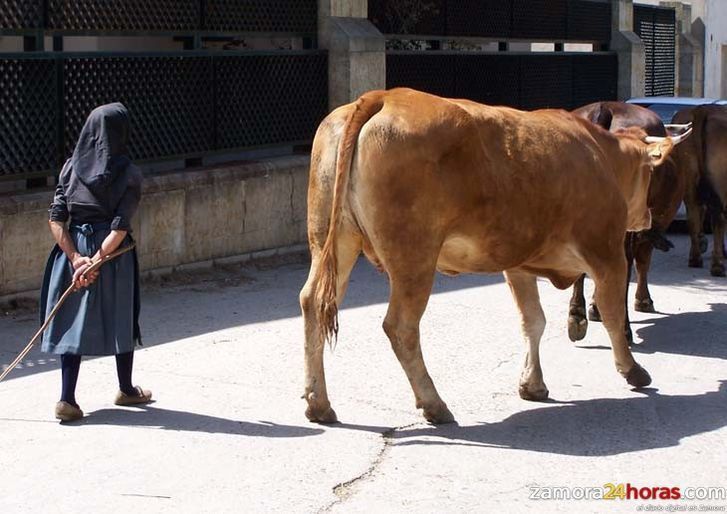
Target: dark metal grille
295	16
525	81
28	115
589	20
581	20
123	15
298	17
546	81
269	99
168	97
594	78
21	14
484	18
182	104
657	29
541	19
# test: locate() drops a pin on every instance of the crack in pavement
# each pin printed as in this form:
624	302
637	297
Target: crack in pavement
346	490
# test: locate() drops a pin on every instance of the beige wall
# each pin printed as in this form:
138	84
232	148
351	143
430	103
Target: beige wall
184	218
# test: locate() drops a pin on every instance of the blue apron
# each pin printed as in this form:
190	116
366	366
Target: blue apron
102	319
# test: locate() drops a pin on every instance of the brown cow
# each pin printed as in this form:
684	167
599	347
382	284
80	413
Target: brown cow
420	183
666	191
703	160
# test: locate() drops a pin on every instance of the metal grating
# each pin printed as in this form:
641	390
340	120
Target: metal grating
483	18
168	99
589	21
123	15
425	71
21	14
594	78
539	19
28	116
657	29
494	80
545	81
269	99
526	81
291	16
582	20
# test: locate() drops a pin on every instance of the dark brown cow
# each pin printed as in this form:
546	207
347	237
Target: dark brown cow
666	191
703	160
420	183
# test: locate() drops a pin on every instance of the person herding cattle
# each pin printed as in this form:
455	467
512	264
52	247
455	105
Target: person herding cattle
420	183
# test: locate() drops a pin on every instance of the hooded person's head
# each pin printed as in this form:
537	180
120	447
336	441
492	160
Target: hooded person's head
100	155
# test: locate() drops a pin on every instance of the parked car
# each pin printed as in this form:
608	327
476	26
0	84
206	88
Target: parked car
666	107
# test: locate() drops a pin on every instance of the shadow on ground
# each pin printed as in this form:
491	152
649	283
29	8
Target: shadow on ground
149	416
584	428
700	334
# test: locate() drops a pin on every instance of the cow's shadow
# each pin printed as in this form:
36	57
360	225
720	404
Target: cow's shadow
585	428
702	334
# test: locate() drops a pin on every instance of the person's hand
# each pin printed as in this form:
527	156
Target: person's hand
81	264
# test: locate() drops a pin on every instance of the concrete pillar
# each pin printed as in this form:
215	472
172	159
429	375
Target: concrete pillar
630	50
690	53
356	50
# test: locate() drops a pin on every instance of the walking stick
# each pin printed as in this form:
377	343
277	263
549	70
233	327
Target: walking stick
96	265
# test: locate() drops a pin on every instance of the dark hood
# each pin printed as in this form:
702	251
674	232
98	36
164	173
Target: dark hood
100	155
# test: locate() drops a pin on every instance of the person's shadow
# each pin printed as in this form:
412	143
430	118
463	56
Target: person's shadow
583	428
167	419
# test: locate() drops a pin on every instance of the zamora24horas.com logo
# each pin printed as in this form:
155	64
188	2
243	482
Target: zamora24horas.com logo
628	491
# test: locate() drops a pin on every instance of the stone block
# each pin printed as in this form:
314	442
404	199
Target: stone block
161	233
214	218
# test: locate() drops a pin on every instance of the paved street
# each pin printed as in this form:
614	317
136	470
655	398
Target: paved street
223	355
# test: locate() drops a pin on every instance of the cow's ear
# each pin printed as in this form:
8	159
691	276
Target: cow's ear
658	152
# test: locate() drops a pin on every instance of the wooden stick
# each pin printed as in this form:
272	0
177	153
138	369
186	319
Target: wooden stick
71	289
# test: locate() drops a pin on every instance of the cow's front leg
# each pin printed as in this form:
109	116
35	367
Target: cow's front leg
718	228
577	322
524	288
610	279
409	297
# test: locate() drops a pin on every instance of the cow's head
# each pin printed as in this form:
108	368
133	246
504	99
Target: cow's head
646	154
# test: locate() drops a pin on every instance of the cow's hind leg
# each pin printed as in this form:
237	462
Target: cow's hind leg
577	322
718	229
642	259
610	278
524	288
409	297
319	407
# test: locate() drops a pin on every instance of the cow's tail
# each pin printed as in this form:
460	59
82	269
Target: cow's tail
327	272
705	189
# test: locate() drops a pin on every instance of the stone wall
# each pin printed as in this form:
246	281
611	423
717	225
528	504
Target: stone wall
193	216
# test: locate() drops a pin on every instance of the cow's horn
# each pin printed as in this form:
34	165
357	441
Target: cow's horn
675	139
678	128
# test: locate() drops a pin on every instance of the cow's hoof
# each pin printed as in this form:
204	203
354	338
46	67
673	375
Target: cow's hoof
577	328
717	270
439	415
638	376
695	262
703	244
533	393
326	416
593	313
646	305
